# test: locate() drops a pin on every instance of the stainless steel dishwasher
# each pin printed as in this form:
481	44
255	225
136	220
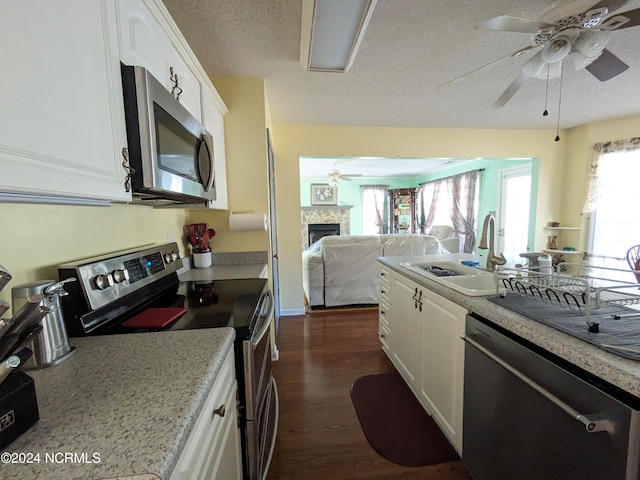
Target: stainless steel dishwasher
532	416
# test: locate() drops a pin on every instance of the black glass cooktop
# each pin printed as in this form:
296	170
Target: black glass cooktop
219	303
208	304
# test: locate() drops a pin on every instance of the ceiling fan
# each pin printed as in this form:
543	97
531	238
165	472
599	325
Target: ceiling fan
335	175
577	31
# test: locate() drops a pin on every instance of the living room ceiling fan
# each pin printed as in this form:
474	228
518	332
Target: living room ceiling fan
577	31
335	175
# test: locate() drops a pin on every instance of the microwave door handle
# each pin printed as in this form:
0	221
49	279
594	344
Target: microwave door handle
207	184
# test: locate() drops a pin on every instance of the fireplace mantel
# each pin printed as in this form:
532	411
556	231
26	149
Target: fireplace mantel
325	214
326	207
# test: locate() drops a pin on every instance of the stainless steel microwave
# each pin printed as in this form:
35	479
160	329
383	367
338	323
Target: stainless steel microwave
170	152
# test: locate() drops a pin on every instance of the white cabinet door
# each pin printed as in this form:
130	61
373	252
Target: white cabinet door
62	121
404	341
213	447
213	121
442	363
144	42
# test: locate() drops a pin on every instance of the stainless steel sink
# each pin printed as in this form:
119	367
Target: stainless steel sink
467	280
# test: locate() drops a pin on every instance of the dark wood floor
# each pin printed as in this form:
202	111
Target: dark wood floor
319	436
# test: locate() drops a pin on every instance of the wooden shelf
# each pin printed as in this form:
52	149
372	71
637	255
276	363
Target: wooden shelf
562	228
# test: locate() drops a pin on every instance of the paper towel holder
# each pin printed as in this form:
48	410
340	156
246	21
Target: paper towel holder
247	220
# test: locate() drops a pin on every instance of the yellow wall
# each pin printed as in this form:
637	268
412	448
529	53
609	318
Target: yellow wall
246	153
35	239
291	141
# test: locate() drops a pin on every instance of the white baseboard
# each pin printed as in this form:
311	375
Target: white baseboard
290	312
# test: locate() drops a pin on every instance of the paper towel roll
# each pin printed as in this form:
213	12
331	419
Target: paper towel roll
244	222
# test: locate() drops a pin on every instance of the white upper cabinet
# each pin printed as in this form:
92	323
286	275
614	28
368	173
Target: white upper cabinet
62	121
144	42
213	121
62	124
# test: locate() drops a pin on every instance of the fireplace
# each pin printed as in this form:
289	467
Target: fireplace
319	230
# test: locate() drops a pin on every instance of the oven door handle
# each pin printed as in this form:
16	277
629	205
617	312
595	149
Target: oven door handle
265	323
592	423
272	445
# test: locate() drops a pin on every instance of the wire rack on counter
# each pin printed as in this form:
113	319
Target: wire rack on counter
576	294
582	289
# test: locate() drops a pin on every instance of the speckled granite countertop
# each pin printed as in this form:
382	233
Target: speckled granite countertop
131	399
228	266
619	371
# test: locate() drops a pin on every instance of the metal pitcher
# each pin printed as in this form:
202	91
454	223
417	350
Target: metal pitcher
52	345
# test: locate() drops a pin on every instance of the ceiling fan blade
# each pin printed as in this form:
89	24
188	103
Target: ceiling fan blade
511	90
606	66
630	19
505	23
514	54
611	5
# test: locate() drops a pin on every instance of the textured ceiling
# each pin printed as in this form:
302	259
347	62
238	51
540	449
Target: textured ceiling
409	48
317	168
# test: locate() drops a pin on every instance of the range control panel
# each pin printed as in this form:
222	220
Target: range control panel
108	277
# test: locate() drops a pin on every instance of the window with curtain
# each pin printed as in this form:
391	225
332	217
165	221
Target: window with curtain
374	202
611	200
451	201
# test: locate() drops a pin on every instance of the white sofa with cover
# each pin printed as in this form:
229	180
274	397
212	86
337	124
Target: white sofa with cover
343	269
447	237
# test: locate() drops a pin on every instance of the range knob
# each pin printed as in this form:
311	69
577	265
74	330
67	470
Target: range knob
103	281
171	257
120	275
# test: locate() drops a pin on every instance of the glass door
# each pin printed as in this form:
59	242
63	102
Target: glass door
513	216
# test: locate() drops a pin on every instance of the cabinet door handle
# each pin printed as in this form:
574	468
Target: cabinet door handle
383	273
175	88
381	312
220	410
383	291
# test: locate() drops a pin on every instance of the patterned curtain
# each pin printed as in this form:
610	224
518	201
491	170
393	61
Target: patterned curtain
374	199
463	190
599	149
428	196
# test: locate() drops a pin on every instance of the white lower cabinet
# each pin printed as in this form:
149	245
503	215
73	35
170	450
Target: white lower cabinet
405	320
213	450
440	384
426	349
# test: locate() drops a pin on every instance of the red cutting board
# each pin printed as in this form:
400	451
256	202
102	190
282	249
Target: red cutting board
155	317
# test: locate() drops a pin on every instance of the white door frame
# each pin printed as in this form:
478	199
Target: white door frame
506	174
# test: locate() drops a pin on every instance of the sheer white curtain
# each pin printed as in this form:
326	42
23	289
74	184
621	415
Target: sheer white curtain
453	201
463	205
374	200
610	201
427	204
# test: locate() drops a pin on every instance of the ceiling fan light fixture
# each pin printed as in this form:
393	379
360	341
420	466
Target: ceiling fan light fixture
556	50
591	44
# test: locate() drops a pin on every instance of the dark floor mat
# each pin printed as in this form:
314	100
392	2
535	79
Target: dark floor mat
396	425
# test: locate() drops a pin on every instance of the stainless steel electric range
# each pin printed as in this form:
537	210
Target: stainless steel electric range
136	291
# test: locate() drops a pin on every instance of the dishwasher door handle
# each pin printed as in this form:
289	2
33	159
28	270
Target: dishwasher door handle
592	423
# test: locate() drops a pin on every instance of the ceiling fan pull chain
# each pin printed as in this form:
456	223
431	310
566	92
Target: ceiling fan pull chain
546	94
559	102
